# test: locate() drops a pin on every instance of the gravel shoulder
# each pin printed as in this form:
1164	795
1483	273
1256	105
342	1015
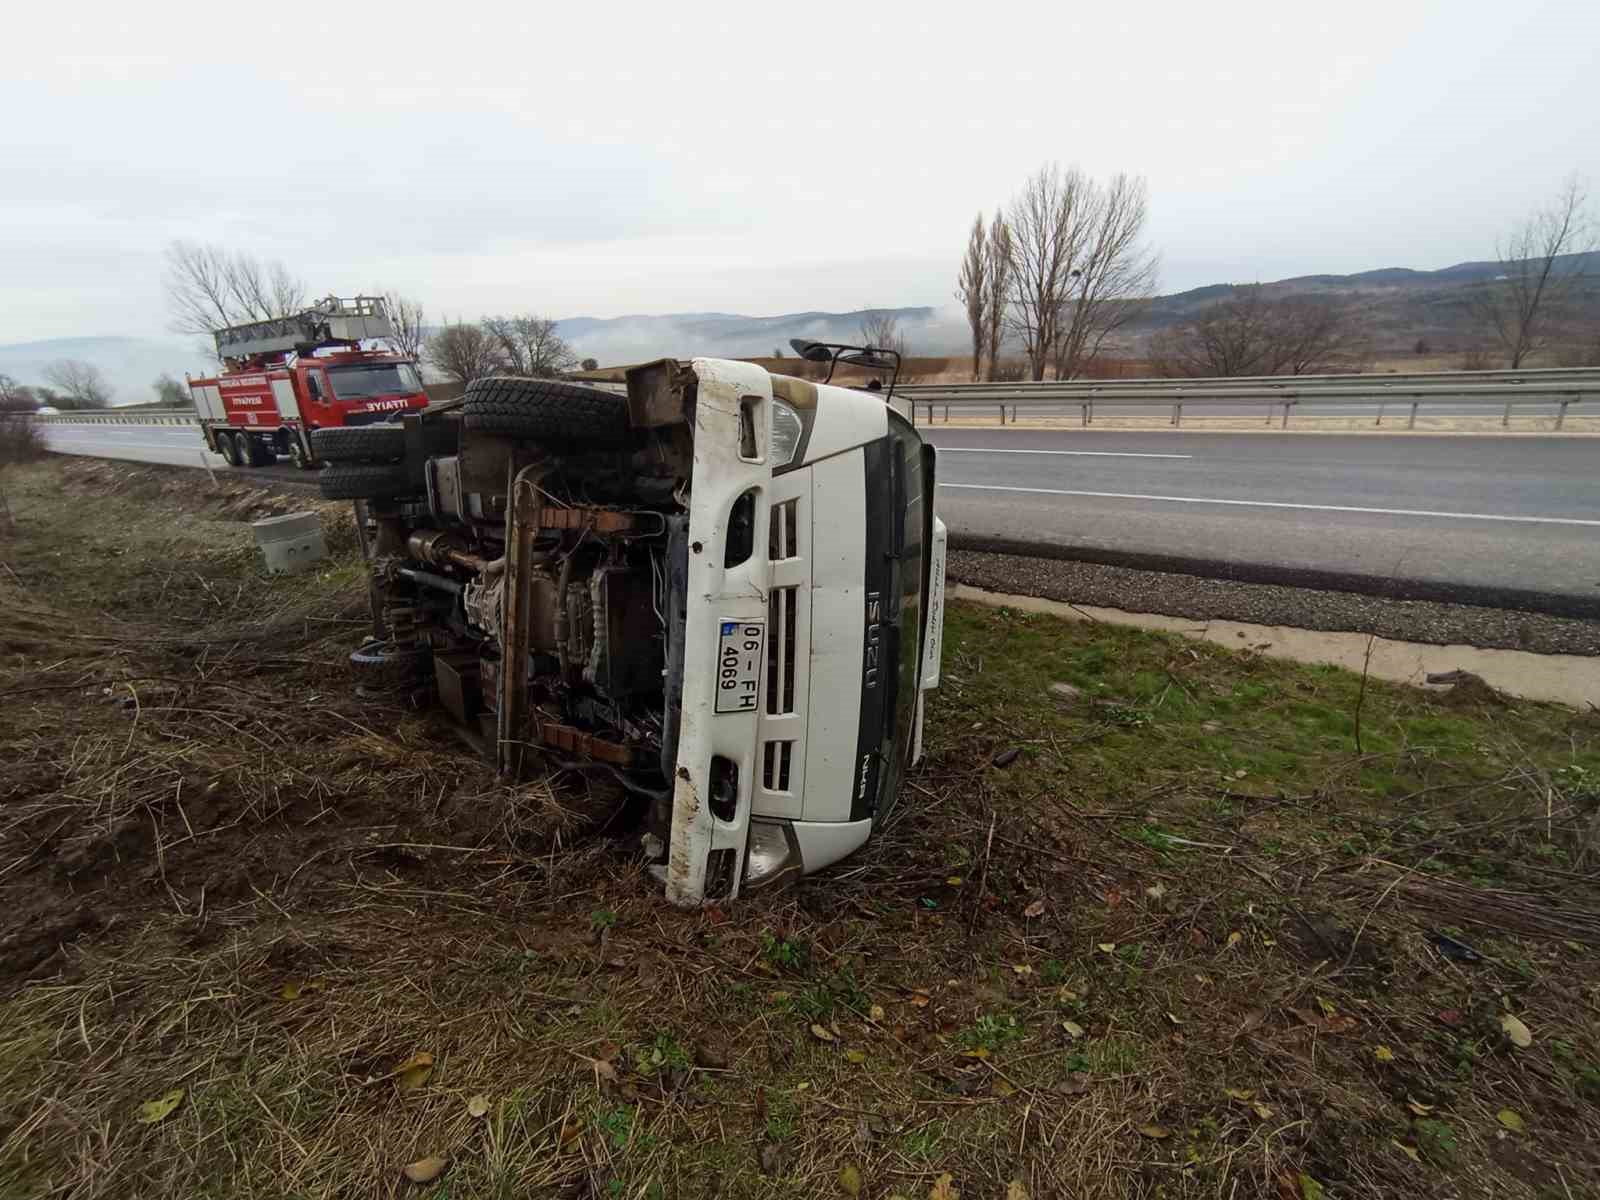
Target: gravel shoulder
1191	596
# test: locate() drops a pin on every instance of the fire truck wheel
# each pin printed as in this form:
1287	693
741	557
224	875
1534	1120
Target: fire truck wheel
229	448
365	481
359	443
545	410
261	453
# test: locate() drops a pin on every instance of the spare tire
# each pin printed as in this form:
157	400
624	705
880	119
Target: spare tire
545	410
366	481
359	443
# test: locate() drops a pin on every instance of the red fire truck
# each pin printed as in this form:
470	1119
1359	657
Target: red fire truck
284	377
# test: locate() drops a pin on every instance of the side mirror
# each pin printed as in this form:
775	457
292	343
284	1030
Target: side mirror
811	351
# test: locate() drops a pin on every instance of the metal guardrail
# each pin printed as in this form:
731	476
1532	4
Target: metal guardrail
111	416
1388	381
1273	394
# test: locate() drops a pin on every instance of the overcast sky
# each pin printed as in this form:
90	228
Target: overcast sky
610	158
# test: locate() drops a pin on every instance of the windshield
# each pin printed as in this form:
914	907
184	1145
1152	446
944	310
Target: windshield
366	380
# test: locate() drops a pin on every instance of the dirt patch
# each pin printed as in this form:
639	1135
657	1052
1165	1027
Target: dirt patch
182	733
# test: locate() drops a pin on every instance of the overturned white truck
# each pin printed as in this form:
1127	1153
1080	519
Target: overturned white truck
720	587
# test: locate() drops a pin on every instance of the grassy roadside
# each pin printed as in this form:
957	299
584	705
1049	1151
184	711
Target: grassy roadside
1163	931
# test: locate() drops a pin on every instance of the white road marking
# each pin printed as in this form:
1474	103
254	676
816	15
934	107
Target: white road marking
1073	453
1387	512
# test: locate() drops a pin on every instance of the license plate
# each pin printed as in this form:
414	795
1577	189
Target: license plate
739	666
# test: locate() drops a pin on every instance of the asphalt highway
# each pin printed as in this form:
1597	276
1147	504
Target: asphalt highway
1478	518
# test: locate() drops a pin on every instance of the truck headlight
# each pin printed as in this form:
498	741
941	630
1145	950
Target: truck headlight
772	853
787	428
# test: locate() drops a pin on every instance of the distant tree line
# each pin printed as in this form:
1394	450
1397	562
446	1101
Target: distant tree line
522	344
1252	333
69	383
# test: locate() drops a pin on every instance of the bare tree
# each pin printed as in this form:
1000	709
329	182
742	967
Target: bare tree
170	392
880	329
972	289
1314	334
530	346
209	287
1112	276
463	353
1231	337
1542	263
15	397
998	253
406	323
1251	334
1046	224
82	385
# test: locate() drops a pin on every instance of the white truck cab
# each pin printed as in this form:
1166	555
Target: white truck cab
719	587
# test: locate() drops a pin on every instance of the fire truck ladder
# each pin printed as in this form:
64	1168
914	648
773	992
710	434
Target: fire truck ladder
327	321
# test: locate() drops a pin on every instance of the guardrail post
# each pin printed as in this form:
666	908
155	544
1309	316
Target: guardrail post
1412	423
1002	414
1562	415
946	414
1505	417
1177	414
1084	407
1013	414
1286	405
1381	403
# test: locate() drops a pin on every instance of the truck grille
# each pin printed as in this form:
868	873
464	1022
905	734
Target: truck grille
783	541
775	766
781	605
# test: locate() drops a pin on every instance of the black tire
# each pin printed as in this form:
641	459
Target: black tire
545	410
359	443
382	664
365	481
261	452
229	449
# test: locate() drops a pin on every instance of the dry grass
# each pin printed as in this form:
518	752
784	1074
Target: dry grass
271	896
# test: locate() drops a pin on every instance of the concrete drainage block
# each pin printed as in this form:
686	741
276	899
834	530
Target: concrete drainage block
292	542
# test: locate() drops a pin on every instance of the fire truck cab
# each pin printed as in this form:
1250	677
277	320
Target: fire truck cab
284	377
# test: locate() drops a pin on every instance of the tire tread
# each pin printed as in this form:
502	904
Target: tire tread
359	443
365	481
546	410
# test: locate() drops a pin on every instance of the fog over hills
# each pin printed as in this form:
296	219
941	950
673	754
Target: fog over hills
1401	304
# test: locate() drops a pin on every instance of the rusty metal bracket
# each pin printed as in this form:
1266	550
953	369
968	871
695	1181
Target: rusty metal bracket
596	520
576	741
521	528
